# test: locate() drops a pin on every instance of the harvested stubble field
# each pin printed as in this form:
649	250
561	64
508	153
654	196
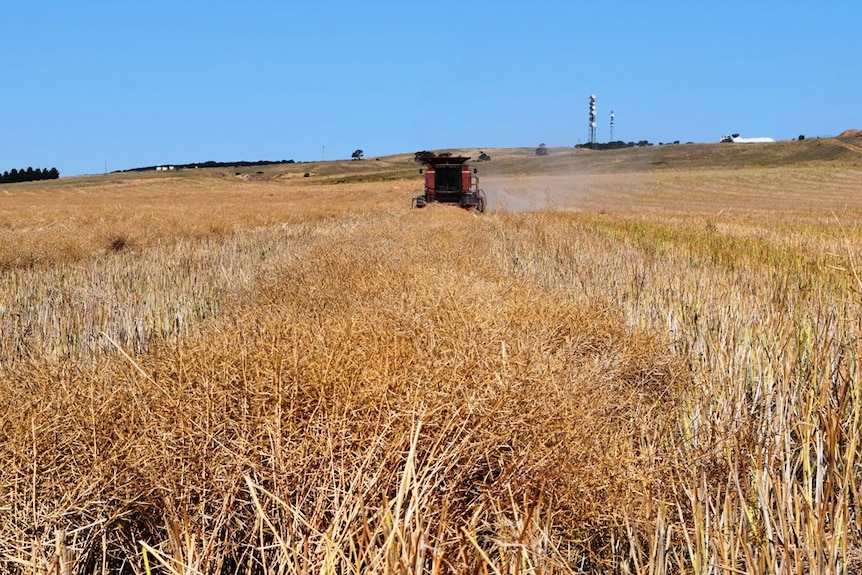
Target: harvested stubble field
640	361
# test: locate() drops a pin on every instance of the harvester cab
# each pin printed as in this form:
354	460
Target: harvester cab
449	180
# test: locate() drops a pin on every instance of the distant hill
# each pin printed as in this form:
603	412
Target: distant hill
845	148
685	156
212	164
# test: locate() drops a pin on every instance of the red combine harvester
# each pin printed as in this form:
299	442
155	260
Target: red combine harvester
448	180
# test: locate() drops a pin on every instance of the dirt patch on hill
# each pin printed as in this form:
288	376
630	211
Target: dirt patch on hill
848	134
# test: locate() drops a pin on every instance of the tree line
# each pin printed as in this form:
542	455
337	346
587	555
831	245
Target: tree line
29	175
213	164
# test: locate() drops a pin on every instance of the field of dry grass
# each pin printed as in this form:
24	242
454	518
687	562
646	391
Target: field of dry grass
640	361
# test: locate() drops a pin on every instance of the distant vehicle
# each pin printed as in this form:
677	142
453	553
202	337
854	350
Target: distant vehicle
735	139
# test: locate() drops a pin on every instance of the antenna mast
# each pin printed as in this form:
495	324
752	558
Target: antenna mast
612	126
592	120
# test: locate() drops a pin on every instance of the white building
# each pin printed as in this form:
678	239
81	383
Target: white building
735	139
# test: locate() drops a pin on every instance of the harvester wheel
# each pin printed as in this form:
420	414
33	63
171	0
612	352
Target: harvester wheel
480	207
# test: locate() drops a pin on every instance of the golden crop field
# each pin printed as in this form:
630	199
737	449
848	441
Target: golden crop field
637	361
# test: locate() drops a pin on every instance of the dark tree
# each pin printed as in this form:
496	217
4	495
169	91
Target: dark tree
28	175
357	155
541	150
420	157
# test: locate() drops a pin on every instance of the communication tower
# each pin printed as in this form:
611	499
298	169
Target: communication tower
612	126
592	120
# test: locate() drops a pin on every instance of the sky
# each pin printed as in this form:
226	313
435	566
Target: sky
95	86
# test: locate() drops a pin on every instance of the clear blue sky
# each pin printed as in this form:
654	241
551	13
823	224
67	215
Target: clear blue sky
147	83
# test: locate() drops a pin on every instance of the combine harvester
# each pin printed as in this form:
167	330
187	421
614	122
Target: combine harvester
448	180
